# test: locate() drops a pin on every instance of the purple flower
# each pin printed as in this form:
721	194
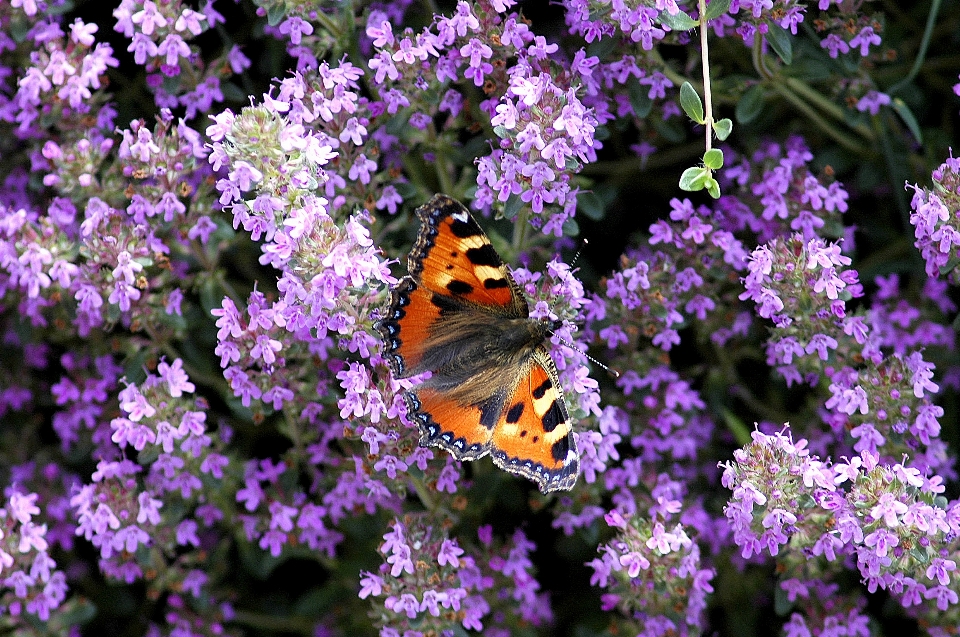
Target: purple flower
370	584
872	101
865	39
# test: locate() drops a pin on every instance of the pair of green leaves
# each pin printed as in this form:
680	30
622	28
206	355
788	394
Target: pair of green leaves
701	177
683	22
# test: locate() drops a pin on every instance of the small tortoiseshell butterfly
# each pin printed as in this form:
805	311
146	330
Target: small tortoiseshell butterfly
494	387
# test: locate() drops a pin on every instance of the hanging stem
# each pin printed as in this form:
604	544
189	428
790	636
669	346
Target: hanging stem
705	63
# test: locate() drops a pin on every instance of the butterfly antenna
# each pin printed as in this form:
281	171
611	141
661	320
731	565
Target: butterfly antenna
583	243
613	373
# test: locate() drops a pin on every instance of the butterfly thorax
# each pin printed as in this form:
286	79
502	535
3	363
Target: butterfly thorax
473	346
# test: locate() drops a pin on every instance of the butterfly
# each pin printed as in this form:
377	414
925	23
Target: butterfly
494	388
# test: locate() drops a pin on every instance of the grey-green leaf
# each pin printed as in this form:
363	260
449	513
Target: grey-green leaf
717	8
690	102
639	97
276	14
694	178
722	128
713	159
780	42
679	22
901	108
750	105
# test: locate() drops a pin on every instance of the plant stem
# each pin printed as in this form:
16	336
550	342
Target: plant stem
922	51
705	63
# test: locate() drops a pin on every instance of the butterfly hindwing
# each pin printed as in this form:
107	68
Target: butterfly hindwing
463	430
494	388
534	436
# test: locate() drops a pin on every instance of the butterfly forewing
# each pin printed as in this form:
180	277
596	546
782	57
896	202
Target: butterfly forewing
453	256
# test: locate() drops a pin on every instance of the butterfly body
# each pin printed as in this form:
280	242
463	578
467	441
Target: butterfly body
494	388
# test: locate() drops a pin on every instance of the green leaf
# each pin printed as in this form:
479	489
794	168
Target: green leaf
602	48
276	14
639	97
591	205
62	9
722	128
232	92
716	8
713	187
512	208
713	159
406	190
780	42
690	102
901	108
671	130
679	22
781	602
742	434
18	30
694	178
750	105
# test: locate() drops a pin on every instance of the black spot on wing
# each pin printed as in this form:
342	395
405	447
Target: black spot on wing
490	411
465	229
495	284
459	287
541	390
447	304
484	255
553	417
560	449
515	412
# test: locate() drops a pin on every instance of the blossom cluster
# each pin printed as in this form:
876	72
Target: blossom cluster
647	555
447	586
890	517
935	221
29	579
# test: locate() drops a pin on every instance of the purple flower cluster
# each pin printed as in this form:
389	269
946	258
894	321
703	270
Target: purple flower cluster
935	222
545	132
684	257
802	287
66	69
160	36
653	573
449	586
889	517
826	611
120	511
779	181
29	579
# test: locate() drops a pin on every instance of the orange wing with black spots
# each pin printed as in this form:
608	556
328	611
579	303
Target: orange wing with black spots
493	387
534	437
